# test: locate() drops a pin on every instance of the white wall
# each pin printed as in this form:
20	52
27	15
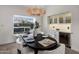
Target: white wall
52	10
39	19
6	21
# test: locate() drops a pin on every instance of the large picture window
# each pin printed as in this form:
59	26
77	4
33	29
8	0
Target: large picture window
23	24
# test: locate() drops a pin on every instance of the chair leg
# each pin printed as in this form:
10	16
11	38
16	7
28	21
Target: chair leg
18	51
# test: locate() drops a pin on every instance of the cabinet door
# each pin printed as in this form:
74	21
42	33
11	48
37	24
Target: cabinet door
55	20
68	19
50	20
61	19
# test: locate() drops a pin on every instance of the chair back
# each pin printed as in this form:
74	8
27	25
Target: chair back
38	38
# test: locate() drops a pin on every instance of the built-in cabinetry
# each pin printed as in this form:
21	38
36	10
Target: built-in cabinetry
65	39
60	18
60	27
60	22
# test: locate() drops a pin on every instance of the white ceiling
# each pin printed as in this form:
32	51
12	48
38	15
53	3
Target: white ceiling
40	6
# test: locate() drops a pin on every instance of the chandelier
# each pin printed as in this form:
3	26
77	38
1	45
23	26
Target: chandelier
36	11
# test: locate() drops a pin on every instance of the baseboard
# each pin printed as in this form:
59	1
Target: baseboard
7	43
77	50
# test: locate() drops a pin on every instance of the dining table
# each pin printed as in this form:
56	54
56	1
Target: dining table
36	46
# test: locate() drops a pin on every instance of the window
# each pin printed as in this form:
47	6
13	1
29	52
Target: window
18	30
23	24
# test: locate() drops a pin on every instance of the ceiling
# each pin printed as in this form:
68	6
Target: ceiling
40	6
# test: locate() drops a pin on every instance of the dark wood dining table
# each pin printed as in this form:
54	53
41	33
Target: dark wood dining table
36	46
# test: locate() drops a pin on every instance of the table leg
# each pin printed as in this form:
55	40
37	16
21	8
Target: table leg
35	51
